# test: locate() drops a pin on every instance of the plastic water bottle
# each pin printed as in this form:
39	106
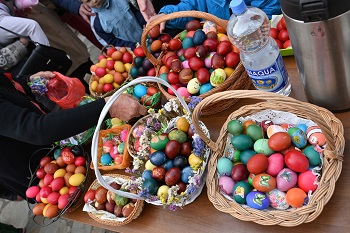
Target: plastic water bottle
249	30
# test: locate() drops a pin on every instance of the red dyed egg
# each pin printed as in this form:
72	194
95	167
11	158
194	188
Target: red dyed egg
257	163
307	181
296	161
172	176
264	182
239	172
279	141
158	173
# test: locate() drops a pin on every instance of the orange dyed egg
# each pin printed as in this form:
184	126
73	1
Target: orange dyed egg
246	124
264	182
279	141
295	197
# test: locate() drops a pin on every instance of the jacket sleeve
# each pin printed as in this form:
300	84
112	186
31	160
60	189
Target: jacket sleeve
69	5
185	5
12	54
270	7
34	128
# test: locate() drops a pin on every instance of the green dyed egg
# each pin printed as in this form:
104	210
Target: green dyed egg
245	156
235	127
261	147
187	42
159	142
240	192
177	135
312	155
237	156
255	132
242	142
121	147
292	130
224	166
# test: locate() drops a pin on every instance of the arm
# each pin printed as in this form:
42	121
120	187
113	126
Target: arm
12	54
76	7
270	7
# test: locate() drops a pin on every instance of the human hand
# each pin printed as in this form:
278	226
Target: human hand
161	25
85	12
146	9
43	74
126	107
24	41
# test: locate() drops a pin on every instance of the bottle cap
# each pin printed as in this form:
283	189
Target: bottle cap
237	6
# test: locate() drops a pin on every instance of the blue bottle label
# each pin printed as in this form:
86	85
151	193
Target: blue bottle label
273	78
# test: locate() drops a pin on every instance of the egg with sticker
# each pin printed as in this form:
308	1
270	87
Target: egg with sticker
193	86
286	179
226	184
315	136
264	182
257	200
240	192
298	137
278	199
159	142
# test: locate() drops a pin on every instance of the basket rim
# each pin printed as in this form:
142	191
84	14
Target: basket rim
134	214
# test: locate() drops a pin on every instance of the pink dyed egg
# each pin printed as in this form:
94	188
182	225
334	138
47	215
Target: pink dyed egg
183	92
185	64
124	135
286	179
226	184
307	181
275	164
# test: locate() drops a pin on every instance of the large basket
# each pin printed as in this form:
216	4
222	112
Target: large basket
198	179
238	80
99	217
331	127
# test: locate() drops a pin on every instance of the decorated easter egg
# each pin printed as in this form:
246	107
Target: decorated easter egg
232	154
257	200
226	184
296	161
242	142
265	124
235	127
264	182
246	155
312	155
121	147
193	86
273	129
257	163
307	181
217	77
240	192
279	141
261	146
303	127
255	132
315	136
286	179
275	164
138	131
298	137
286	126
205	88
159	142
296	197
158	158
278	199
224	166
209	26
239	172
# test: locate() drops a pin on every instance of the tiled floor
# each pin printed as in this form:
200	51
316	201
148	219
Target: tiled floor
18	214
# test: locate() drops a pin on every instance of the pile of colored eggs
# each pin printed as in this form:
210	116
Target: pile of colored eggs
113	148
271	165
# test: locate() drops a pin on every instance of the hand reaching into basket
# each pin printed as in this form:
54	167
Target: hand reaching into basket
161	25
146	9
126	107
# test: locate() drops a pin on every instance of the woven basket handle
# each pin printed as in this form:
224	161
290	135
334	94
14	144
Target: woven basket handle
319	115
175	15
94	143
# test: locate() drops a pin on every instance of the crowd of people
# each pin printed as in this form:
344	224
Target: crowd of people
25	123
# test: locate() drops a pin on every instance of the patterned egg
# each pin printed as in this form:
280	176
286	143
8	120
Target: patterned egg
138	131
233	154
193	86
286	126
312	155
303	127
224	166
275	164
277	199
265	124
226	184
257	200
240	192
209	26
298	137
159	142
286	179
315	136
264	182
307	181
261	146
279	141
273	129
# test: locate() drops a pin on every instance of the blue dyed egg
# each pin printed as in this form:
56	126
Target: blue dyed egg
105	159
224	166
186	173
140	90
257	200
205	88
57	153
168	164
245	156
158	158
151	185
146	174
303	127
187	42
298	137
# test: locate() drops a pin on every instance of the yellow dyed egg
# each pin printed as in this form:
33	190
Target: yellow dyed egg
64	190
76	179
149	165
59	173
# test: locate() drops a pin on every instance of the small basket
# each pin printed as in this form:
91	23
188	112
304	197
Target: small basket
331	127
238	80
95	94
126	156
197	179
98	216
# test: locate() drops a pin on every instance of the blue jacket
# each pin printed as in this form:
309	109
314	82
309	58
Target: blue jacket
219	8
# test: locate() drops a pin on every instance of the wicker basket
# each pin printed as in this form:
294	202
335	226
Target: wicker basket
98	217
97	95
238	80
331	127
126	157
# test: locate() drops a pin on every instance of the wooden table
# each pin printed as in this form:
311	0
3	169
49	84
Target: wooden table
201	216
